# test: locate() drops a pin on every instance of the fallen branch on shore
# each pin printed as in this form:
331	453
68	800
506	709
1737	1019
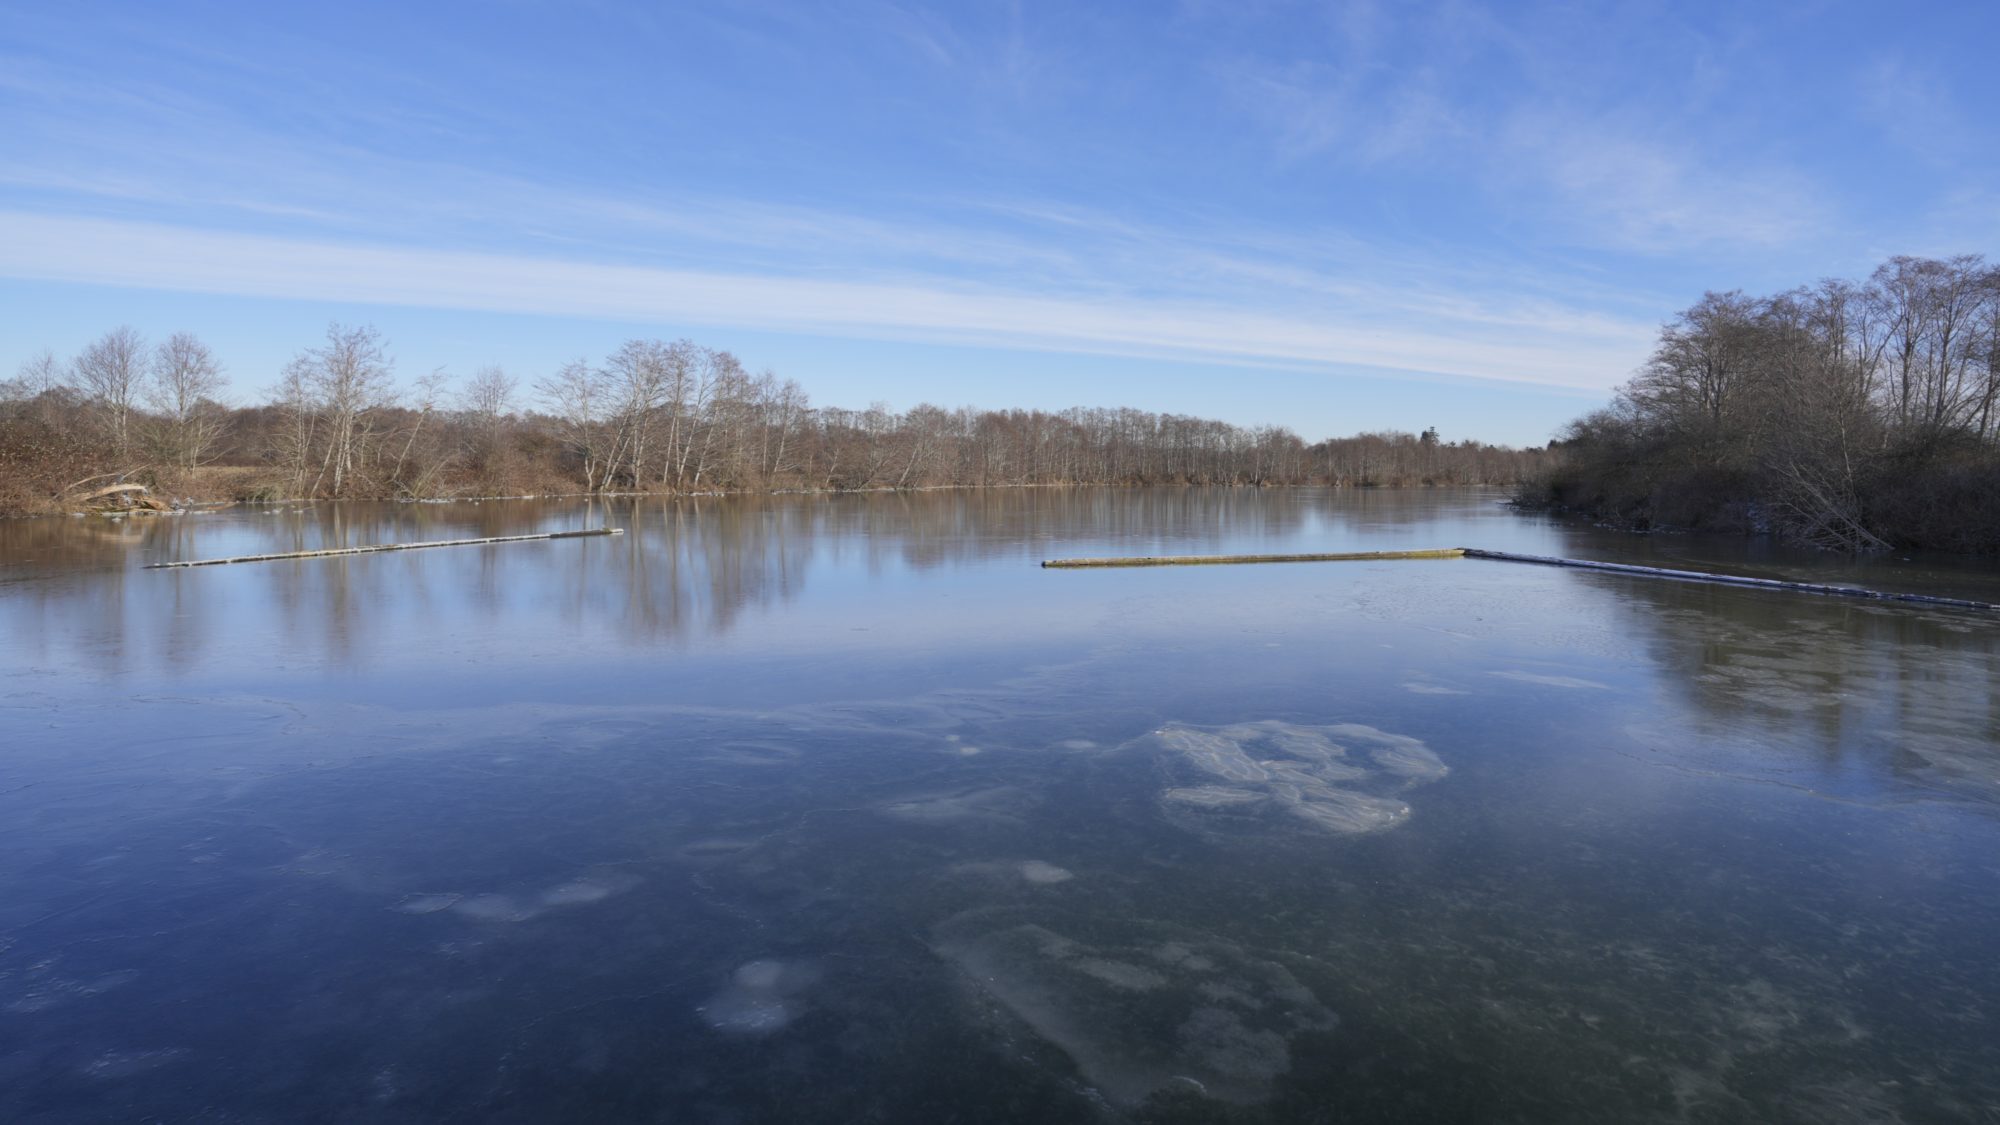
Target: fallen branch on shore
378	547
1542	560
118	499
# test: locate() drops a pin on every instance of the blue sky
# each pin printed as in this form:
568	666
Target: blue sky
1336	217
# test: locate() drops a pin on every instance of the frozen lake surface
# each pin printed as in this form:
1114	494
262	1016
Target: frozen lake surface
841	809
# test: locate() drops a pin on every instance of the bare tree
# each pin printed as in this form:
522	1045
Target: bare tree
1986	354
488	401
292	441
186	378
578	397
489	395
671	416
41	389
1700	367
640	376
111	373
720	382
1931	312
424	455
38	375
783	406
341	383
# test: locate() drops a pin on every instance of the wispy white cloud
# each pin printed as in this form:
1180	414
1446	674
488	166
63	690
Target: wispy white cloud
1347	93
353	202
1916	111
157	256
926	33
1626	188
1535	112
1060	250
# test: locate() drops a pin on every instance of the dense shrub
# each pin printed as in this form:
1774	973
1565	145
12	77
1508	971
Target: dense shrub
1844	416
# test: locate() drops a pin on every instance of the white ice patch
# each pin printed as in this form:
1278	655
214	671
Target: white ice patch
1399	754
426	904
762	997
496	908
594	888
1571	682
1431	689
747	753
1033	871
1145	1009
1213	796
581	891
939	809
1345	778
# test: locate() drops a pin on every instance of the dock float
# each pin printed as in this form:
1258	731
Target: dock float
330	552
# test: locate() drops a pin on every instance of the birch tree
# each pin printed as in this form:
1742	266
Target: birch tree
185	380
342	382
111	373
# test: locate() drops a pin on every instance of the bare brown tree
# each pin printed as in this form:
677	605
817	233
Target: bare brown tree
111	374
340	385
1843	416
674	417
185	381
579	397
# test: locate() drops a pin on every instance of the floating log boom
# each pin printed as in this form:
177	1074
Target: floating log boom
1541	560
1731	580
1222	560
378	547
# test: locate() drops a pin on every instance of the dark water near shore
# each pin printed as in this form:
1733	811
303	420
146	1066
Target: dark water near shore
839	809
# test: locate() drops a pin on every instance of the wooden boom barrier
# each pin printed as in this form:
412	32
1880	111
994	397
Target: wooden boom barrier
378	547
1222	560
1540	560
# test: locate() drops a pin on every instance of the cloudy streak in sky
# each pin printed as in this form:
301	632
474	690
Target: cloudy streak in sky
1318	196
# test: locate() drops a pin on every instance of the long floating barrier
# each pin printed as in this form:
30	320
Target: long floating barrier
1541	560
332	551
1731	580
1222	560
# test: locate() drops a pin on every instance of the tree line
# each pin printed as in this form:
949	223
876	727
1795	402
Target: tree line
654	416
1848	415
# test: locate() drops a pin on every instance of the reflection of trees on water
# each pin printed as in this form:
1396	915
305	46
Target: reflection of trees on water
685	568
1911	690
927	529
693	567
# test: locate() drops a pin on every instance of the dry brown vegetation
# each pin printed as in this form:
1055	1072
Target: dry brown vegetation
657	416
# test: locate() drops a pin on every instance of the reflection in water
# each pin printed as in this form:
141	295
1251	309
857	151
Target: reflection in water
1914	692
685	568
834	809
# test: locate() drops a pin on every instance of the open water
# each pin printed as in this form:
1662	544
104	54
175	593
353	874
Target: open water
841	809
